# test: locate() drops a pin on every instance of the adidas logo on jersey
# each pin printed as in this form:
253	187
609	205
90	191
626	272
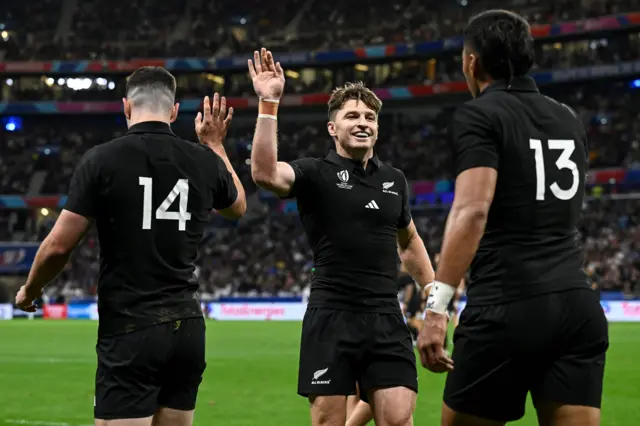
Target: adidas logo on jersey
372	205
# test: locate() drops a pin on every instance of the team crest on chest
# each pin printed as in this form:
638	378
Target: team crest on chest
343	176
386	188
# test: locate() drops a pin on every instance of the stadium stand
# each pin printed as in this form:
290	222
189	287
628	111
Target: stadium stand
52	112
63	69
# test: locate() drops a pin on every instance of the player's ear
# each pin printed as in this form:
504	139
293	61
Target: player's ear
127	108
174	112
474	64
331	127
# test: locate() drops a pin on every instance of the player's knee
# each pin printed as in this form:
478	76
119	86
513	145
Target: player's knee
397	418
328	410
171	417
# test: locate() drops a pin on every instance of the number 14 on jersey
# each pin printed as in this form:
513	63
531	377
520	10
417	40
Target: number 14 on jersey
564	162
181	189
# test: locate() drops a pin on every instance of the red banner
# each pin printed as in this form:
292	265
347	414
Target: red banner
55	311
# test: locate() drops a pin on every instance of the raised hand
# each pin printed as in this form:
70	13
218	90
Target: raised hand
212	126
268	77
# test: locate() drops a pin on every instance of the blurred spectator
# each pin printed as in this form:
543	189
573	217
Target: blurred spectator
124	29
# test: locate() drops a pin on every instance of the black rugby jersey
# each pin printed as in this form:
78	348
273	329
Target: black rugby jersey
351	217
539	148
150	194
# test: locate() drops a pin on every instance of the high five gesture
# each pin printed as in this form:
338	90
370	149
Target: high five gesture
268	76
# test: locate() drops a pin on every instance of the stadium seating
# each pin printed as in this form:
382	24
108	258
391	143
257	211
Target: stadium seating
268	254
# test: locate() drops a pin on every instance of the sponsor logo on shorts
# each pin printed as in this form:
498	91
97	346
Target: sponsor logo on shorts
319	374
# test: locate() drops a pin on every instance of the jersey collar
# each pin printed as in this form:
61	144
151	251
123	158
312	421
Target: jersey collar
151	127
339	160
517	84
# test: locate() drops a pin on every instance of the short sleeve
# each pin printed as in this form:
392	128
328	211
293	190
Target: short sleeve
305	170
225	192
405	215
84	189
473	139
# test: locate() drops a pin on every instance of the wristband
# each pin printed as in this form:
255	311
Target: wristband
273	101
439	298
269	116
268	107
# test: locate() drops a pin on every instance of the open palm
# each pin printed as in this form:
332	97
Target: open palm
267	76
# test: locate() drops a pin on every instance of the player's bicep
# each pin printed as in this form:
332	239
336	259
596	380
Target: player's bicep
474	139
68	230
295	177
285	179
281	182
475	189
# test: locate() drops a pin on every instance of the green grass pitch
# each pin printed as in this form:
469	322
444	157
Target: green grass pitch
47	376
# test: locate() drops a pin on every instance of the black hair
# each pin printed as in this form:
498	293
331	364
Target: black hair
503	42
151	78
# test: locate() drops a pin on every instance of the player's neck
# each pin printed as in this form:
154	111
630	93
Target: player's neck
136	119
483	85
357	155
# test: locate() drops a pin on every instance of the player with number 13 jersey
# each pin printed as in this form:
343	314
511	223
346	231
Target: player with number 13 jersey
531	323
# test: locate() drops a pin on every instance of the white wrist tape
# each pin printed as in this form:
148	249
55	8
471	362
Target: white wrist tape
273	101
269	116
439	297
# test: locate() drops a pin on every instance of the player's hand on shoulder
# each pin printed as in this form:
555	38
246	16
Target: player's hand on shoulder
25	299
267	76
213	123
431	343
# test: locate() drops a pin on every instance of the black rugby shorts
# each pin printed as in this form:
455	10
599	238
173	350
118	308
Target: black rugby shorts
552	345
157	366
339	348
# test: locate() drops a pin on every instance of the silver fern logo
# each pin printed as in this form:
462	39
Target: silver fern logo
319	374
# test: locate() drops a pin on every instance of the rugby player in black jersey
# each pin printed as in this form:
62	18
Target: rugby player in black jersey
355	211
149	193
531	323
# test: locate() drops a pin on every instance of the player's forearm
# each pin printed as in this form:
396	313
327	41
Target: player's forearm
463	232
416	259
219	149
48	263
264	151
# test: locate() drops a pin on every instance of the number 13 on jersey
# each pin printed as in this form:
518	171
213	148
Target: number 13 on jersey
564	162
181	189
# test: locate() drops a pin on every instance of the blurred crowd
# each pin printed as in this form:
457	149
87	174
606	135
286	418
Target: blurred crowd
610	49
124	29
42	156
270	254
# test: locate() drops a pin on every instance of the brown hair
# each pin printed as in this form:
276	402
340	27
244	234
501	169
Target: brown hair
353	91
